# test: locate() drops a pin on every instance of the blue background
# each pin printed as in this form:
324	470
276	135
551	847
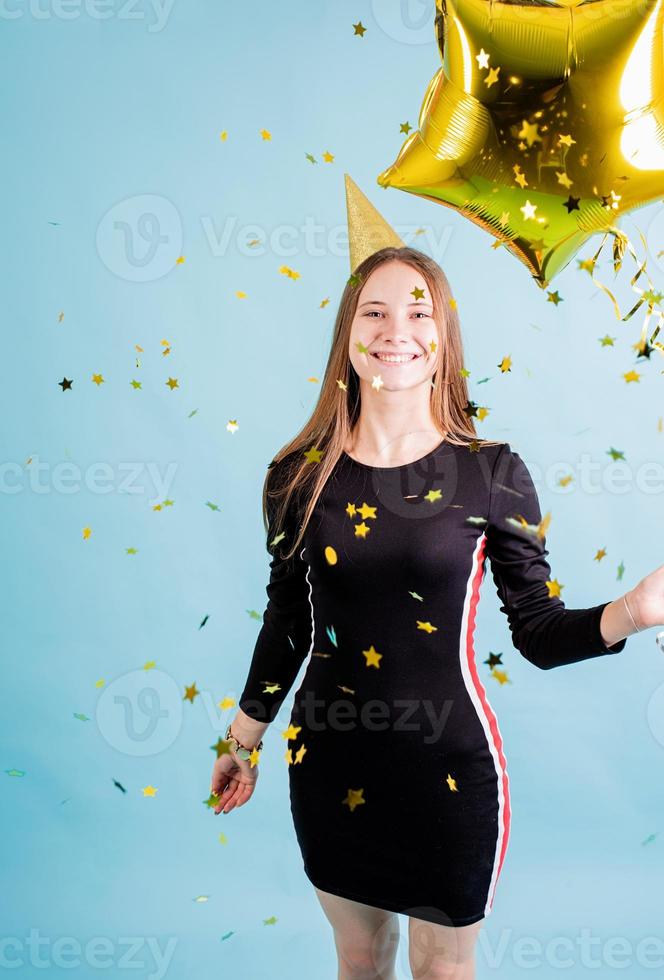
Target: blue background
98	113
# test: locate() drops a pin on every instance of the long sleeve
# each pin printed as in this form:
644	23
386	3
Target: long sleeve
543	630
285	635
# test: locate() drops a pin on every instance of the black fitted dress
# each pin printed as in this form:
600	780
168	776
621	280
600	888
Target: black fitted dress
398	782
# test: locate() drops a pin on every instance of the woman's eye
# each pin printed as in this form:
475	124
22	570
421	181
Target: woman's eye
418	313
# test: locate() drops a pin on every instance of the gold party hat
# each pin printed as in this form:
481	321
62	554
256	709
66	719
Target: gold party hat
368	231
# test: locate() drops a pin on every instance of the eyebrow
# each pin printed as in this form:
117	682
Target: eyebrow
379	302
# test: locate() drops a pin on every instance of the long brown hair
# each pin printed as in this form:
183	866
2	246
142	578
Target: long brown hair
338	408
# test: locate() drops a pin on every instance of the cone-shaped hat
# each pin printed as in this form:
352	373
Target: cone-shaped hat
368	231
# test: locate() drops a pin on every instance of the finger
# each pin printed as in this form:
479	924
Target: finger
224	795
243	794
230	798
218	782
246	794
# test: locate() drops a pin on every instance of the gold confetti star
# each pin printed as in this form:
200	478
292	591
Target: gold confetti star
149	791
432	495
291	732
426	626
529	132
372	657
519	176
285	270
365	511
451	782
528	210
354	798
554	587
482	58
588	265
492	77
172	383
87	531
221	747
313	455
98	379
265	134
361	530
377	382
417	293
190	693
359	29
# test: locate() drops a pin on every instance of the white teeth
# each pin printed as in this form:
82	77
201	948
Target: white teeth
395	359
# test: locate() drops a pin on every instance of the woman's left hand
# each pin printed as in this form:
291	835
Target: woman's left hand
646	600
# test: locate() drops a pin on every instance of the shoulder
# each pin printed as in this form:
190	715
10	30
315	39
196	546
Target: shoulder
493	456
512	484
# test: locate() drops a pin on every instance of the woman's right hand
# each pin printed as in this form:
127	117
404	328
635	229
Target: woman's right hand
233	780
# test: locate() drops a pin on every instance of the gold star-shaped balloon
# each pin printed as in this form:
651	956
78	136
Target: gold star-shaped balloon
530	100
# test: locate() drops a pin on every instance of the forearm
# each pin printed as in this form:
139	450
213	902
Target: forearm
247	730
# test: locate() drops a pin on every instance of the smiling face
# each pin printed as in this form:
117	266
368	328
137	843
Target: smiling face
394	318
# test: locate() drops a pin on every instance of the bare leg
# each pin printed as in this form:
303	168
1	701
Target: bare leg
366	938
438	952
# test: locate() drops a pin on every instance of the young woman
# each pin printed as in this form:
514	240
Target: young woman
380	516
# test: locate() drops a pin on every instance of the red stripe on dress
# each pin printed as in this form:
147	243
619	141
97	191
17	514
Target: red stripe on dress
491	718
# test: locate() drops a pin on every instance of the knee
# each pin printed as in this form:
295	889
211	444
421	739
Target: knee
443	970
365	961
